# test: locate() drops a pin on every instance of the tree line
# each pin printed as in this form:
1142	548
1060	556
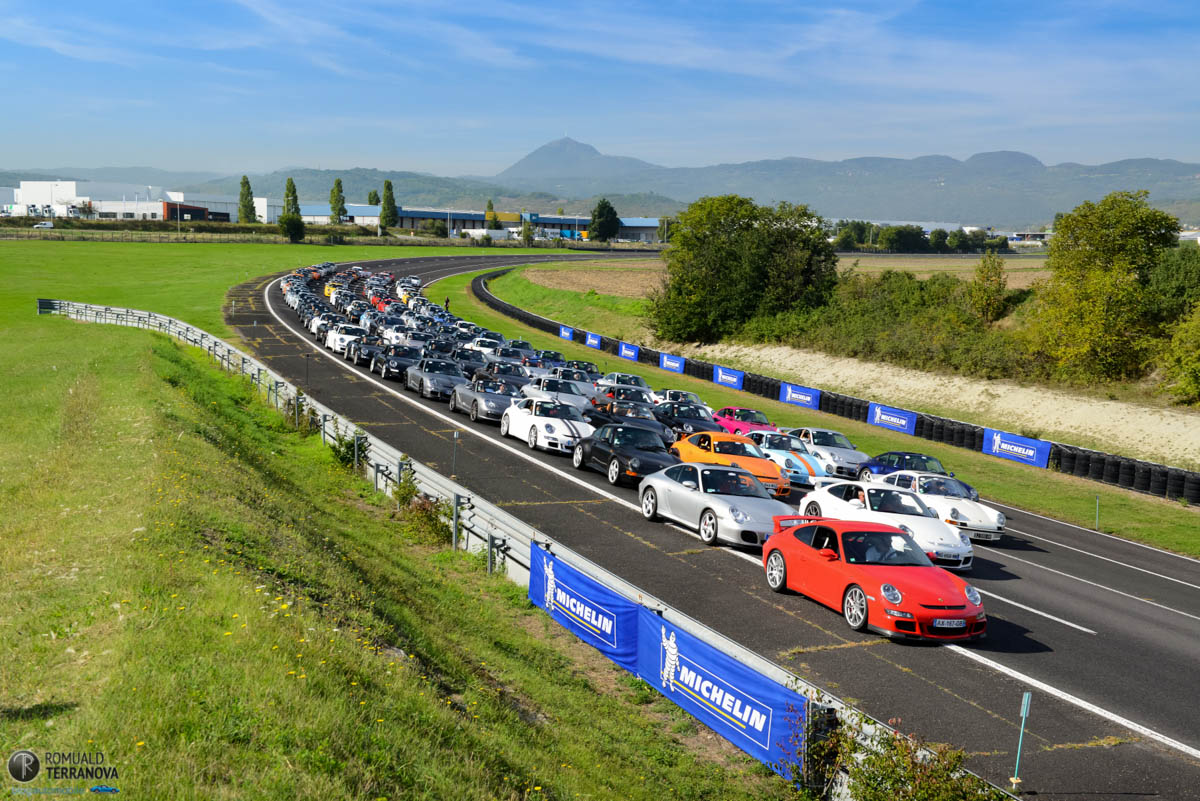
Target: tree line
860	235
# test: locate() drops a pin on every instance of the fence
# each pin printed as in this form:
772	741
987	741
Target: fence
1172	483
476	524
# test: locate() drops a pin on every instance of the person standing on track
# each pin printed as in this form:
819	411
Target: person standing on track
446	305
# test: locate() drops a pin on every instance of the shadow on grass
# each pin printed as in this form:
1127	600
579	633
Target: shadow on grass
37	711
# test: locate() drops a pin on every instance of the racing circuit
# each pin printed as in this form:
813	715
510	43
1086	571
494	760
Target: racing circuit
1105	632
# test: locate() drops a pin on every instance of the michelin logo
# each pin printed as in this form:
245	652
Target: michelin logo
717	698
585	615
883	418
672	363
593	340
726	377
796	396
1001	445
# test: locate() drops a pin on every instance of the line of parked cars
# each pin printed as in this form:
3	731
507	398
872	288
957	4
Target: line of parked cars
874	534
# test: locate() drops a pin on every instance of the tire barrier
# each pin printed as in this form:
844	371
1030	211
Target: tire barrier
1146	477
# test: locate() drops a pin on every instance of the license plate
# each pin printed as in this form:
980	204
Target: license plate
950	623
945	555
570	443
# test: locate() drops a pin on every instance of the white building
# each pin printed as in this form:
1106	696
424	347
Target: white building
114	201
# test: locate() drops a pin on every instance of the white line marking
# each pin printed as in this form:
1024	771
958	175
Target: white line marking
1076	701
1086	581
1096	533
1106	559
1035	611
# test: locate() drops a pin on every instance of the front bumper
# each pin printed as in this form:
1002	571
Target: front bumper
952	560
556	442
980	533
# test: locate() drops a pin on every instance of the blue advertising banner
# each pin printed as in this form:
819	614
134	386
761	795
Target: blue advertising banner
627	351
896	419
1012	446
669	362
566	331
753	712
591	611
800	396
727	377
592	340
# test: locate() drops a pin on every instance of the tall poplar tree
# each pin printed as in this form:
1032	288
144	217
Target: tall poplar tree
388	215
291	224
246	203
372	198
337	202
291	200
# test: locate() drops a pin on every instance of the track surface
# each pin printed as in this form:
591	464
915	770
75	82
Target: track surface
1111	625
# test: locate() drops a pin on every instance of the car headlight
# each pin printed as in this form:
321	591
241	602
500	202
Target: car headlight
906	530
829	469
549	428
1001	520
973	595
954	513
738	515
790	465
635	464
688	427
965	539
891	594
836	457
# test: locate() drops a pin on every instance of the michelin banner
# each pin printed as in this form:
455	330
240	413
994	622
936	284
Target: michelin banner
627	351
566	331
1020	449
754	713
592	340
896	419
594	613
800	396
727	377
668	362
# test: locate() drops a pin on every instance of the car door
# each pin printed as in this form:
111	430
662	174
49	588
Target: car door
675	492
520	418
823	582
801	558
601	447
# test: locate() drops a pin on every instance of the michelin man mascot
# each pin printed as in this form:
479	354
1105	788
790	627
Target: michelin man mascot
670	659
548	571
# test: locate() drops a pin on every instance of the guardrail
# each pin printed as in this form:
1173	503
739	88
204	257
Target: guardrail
1173	483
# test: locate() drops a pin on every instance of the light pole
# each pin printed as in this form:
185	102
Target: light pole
307	357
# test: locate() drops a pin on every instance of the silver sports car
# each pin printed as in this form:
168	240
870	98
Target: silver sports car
722	503
483	399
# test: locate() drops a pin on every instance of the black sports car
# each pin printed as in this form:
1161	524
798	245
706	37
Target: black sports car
623	453
685	418
395	360
363	350
633	415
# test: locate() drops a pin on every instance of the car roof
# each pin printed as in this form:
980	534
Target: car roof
711	466
726	436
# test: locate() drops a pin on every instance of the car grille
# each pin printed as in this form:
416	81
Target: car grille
938	606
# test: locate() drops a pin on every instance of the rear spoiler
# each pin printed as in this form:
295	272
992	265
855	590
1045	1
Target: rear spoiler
790	521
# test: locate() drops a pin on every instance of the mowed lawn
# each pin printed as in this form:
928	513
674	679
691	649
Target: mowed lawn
1154	521
209	600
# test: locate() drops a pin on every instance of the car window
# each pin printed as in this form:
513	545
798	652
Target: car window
804	534
735	448
926	464
686	473
904	482
831	439
883	548
890	501
639	438
717	481
825	537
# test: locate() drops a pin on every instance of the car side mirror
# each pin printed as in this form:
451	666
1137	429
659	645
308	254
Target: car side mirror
690	485
857	504
951	475
828	554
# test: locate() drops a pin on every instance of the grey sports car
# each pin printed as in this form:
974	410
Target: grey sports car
721	503
434	378
556	389
483	399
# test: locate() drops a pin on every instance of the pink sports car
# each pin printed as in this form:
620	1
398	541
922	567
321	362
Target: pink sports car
737	420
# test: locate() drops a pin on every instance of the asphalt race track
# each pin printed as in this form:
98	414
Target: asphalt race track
1104	632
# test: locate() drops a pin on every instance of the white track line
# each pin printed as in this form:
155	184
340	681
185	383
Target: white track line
1005	554
1076	701
1137	727
1035	611
1106	559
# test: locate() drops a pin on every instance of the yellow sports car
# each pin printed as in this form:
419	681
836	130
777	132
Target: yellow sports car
710	447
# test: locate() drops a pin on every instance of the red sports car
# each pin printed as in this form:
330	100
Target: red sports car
876	575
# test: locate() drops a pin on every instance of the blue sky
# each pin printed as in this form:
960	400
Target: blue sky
469	87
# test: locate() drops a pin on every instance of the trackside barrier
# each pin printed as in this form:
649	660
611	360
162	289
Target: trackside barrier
1153	479
746	698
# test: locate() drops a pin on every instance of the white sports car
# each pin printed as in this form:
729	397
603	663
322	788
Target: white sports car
951	499
878	503
556	389
545	424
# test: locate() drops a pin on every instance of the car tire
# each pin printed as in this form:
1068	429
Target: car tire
650	505
614	472
371	369
532	438
577	458
812	510
854	607
865	474
777	572
451	405
504	426
709	530
475	412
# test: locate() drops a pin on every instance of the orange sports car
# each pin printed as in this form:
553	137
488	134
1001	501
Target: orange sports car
714	447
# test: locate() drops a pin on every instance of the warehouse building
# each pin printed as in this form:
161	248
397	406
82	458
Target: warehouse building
116	201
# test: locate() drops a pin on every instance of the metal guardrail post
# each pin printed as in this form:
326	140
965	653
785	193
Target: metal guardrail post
491	544
454	521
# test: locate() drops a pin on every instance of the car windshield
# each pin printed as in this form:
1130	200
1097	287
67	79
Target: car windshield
632	410
520	344
554	385
638	438
468	356
508	353
629	394
831	439
749	416
588	367
629	380
442	368
487	344
949	487
925	464
692	412
782	442
354	331
495	388
419	336
504	368
573	375
558	411
731	482
893	502
883	548
405	352
551	355
729	447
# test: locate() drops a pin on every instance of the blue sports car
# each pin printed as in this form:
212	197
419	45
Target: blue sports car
890	462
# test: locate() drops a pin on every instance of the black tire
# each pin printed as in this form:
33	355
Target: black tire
776	572
577	459
371	368
451	403
614	472
474	411
812	510
854	607
709	528
650	504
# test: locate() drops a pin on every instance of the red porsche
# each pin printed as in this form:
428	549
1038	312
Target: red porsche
875	575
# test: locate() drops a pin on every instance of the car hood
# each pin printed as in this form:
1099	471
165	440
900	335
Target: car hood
928	532
847	455
698	425
931	586
972	511
578	430
656	460
760	510
759	467
808	463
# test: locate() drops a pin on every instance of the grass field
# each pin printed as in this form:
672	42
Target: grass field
1151	520
205	597
613	314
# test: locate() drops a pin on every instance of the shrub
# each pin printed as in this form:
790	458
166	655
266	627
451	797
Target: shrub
1181	363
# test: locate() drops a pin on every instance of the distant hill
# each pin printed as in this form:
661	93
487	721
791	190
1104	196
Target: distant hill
421	190
13	178
150	176
1004	188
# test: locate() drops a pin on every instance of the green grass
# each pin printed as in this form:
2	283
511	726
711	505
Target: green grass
614	316
1154	521
207	598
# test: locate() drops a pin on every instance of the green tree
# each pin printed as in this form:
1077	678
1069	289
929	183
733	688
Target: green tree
246	212
665	224
1121	232
957	241
845	240
937	240
389	215
337	202
560	211
372	198
526	233
1174	285
1181	363
291	226
491	220
435	227
903	239
986	292
605	223
291	200
731	260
